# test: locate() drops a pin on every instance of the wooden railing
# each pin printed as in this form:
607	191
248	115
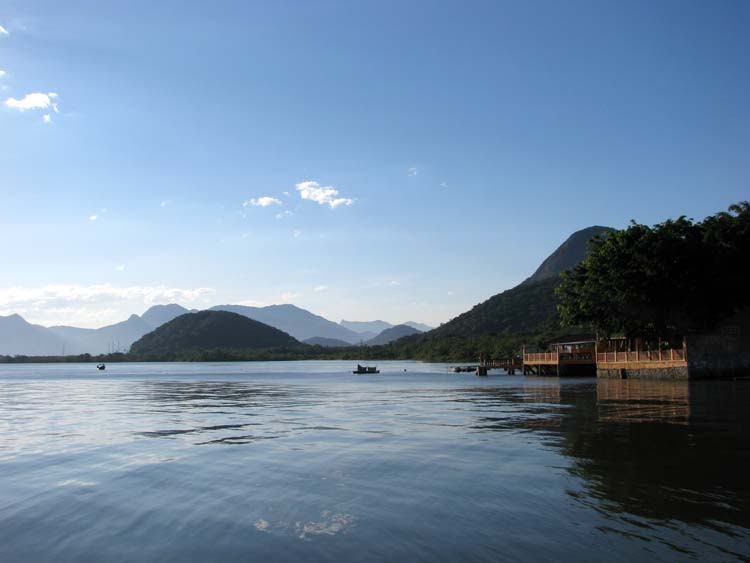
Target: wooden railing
541	357
558	357
669	355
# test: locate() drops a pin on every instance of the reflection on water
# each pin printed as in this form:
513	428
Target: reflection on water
226	462
666	402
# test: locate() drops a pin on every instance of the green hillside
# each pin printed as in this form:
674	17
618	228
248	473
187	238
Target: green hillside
530	307
210	330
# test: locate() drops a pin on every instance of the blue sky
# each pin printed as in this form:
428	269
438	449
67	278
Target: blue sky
465	141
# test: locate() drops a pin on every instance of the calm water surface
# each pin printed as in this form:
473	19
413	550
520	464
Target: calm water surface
302	460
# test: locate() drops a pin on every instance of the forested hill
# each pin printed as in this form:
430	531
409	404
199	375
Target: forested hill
529	307
207	330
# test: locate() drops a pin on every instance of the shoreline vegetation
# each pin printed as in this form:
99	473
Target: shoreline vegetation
657	283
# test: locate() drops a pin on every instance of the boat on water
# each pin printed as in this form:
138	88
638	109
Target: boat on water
101	367
366	369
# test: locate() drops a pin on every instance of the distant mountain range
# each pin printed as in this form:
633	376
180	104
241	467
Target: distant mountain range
326	342
301	324
18	337
528	307
368	330
393	333
366	327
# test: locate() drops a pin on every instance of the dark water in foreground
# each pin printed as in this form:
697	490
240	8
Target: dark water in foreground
293	461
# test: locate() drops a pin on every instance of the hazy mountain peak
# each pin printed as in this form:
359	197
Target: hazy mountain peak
392	333
15	318
300	323
157	315
366	327
568	254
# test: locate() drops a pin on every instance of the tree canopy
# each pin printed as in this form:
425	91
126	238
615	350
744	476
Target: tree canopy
664	280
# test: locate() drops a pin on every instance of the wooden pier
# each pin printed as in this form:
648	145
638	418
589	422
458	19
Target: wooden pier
510	365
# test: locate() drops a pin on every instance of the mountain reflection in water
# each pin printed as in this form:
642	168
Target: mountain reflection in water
302	460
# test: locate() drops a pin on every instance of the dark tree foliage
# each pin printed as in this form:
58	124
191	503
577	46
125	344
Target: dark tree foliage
661	281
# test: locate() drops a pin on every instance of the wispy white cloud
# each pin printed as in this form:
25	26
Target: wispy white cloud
2	73
264	201
412	171
322	195
284	214
35	100
55	293
164	203
120	268
296	233
289	296
89	305
93	217
3	31
320	288
46	118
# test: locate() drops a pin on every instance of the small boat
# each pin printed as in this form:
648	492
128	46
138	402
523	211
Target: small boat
101	367
366	369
